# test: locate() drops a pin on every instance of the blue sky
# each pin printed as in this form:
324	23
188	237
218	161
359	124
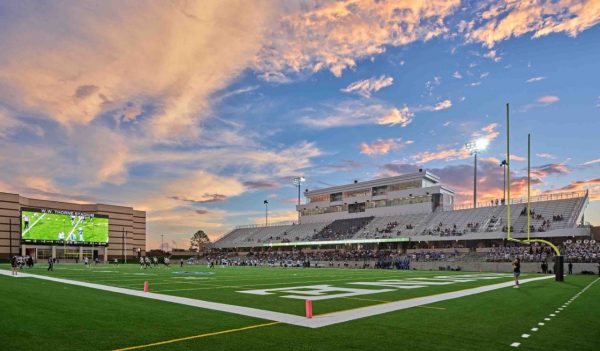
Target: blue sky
198	111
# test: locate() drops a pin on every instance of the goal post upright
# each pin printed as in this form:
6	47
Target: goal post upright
528	186
559	259
508	170
508	224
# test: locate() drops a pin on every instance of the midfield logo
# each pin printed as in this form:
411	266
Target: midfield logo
326	292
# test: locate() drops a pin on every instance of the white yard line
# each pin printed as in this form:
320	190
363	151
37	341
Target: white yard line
32	224
73	229
316	322
541	324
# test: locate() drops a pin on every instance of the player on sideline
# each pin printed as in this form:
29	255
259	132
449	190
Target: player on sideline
141	262
155	261
13	264
166	262
516	271
50	264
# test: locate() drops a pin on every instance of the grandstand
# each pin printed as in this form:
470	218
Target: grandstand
416	208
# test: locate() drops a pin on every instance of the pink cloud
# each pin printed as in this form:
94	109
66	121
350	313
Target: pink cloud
549	99
380	147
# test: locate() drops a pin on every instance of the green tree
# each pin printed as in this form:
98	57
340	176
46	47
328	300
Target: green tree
198	241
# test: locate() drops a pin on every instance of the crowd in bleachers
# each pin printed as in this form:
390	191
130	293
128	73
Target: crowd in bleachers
441	230
342	229
573	251
544	225
582	251
329	258
535	252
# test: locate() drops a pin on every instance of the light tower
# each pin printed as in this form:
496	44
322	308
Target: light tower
474	147
266	203
298	182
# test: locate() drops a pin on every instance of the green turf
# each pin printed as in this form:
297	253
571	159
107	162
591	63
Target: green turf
40	314
46	226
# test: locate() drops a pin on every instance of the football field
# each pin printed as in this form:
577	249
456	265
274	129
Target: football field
260	308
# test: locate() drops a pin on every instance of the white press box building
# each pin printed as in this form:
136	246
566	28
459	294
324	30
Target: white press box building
414	193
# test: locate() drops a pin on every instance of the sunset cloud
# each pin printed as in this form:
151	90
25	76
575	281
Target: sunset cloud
460	178
546	155
591	162
550	169
535	79
381	147
115	59
591	185
354	113
365	87
548	99
334	36
487	132
402	117
501	20
541	101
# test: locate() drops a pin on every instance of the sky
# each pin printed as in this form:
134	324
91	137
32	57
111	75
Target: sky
198	111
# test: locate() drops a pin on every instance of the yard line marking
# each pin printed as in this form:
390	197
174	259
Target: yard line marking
197	336
73	229
525	336
515	344
251	285
361	299
31	226
384	301
316	322
433	307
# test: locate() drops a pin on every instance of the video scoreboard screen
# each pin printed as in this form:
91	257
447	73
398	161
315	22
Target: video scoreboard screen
49	226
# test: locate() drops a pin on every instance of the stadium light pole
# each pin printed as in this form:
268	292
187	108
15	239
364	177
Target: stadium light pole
266	212
123	244
474	147
10	240
503	165
298	181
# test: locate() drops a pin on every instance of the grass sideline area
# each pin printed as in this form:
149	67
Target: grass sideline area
38	314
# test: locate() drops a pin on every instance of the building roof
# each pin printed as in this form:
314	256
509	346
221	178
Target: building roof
375	182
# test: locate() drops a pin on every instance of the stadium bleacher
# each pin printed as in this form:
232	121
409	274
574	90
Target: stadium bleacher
342	229
546	216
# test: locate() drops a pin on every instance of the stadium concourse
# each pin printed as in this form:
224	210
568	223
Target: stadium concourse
412	218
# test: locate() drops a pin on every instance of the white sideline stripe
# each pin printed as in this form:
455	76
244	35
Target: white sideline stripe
31	225
315	322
